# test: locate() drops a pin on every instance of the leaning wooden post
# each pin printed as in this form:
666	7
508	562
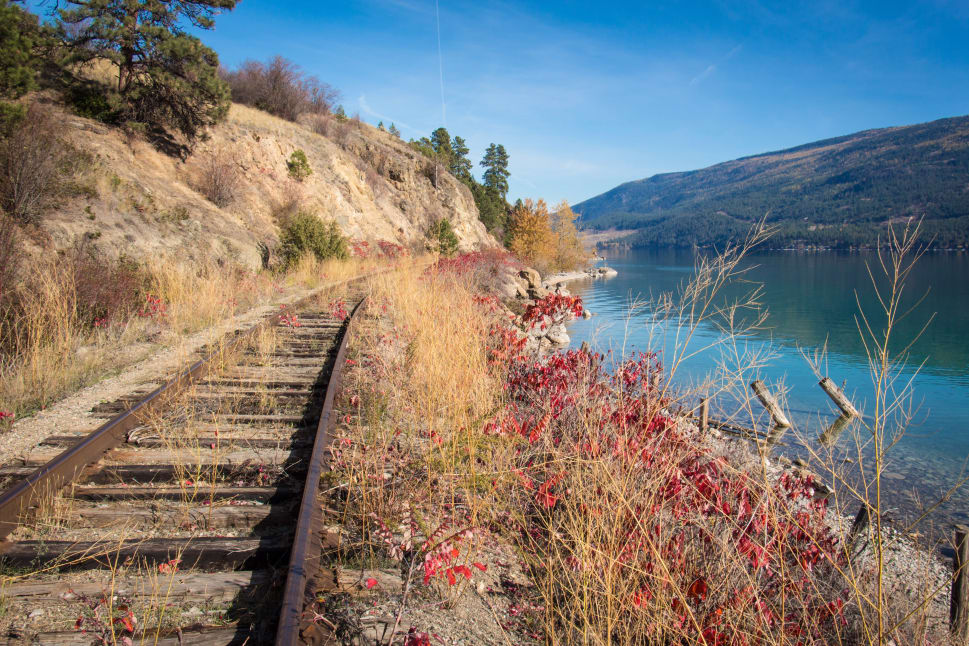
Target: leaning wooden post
959	604
769	403
862	519
839	398
704	415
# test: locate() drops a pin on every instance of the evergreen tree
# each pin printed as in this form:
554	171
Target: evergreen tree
460	165
496	173
491	208
394	131
341	114
440	143
380	126
443	238
19	35
167	79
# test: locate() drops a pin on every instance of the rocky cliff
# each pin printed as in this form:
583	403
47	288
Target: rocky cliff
132	199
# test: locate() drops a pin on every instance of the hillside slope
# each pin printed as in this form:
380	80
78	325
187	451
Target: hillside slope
139	202
836	192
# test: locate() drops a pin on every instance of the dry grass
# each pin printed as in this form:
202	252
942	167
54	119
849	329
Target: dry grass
52	349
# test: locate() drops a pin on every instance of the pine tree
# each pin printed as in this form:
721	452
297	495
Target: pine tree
341	114
495	163
167	79
19	35
380	126
394	131
460	164
440	142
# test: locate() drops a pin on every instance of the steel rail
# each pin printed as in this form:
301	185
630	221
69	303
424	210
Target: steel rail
20	500
304	561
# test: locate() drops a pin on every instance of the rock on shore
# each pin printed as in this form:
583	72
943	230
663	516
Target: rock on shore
526	286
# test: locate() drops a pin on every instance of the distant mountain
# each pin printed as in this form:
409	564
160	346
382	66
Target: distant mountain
839	192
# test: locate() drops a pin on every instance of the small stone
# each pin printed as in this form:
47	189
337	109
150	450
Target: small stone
558	335
34	614
586	314
799	462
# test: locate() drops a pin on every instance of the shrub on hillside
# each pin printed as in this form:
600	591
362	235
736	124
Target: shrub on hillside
306	233
299	166
281	88
220	178
443	238
34	159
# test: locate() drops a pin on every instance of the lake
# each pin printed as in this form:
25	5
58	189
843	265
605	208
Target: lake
812	299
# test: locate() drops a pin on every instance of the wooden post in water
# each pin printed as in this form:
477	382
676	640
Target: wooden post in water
769	403
704	415
831	434
959	604
839	397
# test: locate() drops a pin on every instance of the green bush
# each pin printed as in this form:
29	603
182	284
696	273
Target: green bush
443	237
306	233
299	166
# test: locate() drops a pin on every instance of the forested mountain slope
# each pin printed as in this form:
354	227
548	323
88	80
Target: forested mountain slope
839	192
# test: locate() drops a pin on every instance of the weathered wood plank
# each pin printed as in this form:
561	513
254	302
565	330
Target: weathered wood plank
267	495
211	636
214	586
204	517
201	552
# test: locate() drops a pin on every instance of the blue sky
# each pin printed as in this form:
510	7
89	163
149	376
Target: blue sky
586	95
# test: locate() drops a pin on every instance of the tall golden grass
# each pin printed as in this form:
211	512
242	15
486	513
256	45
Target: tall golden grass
51	350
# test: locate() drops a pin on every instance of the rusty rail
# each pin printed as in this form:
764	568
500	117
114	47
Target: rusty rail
304	560
19	501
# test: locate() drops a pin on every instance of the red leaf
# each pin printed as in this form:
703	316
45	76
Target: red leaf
697	590
370	583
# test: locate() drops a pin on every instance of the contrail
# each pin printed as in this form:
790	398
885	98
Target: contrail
440	61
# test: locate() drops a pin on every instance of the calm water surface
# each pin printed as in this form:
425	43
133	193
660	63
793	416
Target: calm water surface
813	299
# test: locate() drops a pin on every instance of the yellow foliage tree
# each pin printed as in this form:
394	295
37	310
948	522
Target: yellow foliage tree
569	252
531	237
546	241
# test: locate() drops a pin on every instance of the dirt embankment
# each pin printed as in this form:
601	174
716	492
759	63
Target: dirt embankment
139	201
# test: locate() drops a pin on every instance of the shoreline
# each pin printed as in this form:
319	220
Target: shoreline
592	273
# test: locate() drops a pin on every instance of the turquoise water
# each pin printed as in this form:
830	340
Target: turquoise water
813	299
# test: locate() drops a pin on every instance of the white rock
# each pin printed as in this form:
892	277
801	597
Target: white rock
558	335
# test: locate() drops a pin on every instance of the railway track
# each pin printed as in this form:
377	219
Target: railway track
191	516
